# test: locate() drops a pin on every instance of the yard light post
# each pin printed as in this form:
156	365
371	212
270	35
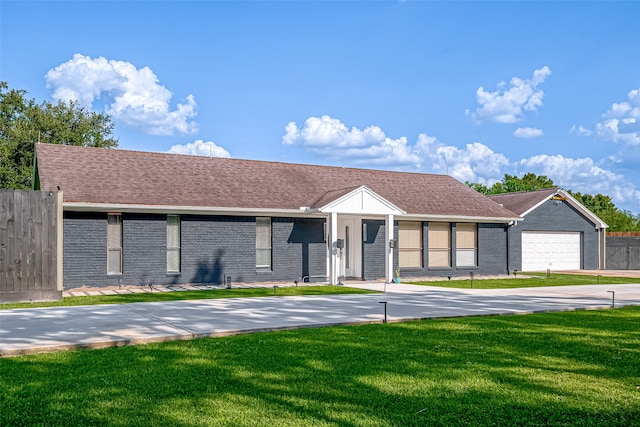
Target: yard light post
471	278
385	310
613	299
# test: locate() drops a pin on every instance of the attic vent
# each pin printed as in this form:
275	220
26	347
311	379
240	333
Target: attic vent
556	197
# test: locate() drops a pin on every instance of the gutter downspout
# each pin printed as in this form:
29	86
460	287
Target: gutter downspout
508	249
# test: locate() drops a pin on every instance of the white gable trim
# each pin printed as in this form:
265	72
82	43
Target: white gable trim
573	202
362	201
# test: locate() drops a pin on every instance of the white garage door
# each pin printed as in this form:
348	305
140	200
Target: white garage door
547	250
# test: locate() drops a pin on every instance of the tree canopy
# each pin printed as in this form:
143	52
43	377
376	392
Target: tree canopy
512	184
24	122
600	204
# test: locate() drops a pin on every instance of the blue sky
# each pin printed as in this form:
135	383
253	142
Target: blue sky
470	89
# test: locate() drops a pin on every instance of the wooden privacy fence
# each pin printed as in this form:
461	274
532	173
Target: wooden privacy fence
30	245
623	251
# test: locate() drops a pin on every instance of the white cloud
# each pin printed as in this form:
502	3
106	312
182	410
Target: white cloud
326	131
475	162
131	96
507	103
582	175
332	139
581	130
200	148
622	122
527	132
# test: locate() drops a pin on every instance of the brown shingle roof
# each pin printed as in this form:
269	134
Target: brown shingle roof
522	201
108	176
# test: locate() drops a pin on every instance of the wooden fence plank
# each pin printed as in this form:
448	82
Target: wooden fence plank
10	261
5	250
29	245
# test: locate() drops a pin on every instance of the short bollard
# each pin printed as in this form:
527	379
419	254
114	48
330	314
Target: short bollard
548	273
385	310
228	282
275	289
471	278
613	299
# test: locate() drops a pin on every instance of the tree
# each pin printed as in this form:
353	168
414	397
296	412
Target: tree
599	204
23	123
512	184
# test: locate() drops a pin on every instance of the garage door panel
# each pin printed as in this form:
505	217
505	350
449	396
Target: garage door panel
550	250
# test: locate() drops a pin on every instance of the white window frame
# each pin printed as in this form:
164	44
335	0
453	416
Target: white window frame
114	243
264	250
173	244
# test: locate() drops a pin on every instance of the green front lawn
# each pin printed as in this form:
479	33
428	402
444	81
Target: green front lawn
577	368
189	295
529	281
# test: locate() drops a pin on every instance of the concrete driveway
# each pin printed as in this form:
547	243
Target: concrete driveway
26	331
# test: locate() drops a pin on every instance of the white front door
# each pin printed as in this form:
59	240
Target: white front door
349	231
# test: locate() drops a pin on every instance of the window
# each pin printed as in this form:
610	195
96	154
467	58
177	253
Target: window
173	243
409	244
466	244
439	244
114	244
263	243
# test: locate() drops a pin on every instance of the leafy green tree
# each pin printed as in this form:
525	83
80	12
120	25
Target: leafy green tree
599	204
512	184
24	122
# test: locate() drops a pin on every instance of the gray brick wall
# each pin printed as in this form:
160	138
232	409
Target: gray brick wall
373	250
555	215
85	250
212	247
144	245
492	249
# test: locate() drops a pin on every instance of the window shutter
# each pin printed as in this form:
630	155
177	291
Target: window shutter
263	243
173	243
466	243
409	244
466	236
114	244
439	244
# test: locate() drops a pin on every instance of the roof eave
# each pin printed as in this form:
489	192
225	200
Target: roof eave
171	209
463	218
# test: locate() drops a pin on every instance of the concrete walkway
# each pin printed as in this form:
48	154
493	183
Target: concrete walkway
26	331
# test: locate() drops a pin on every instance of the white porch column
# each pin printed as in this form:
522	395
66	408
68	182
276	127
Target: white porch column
333	238
388	226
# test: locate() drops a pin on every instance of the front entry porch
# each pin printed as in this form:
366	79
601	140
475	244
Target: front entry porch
345	211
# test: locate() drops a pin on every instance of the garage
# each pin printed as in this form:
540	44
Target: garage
550	250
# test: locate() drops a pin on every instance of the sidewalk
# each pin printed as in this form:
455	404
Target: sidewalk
27	331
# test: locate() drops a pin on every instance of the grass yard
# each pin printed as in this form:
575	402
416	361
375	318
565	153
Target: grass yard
189	295
574	368
532	280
